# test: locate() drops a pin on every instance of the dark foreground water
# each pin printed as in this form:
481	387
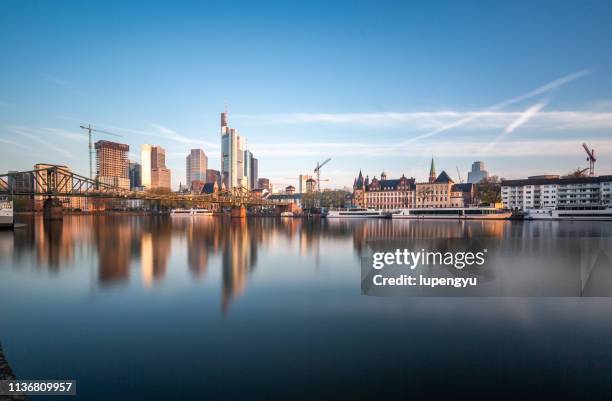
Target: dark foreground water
147	308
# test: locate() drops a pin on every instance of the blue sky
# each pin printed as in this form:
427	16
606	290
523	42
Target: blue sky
379	85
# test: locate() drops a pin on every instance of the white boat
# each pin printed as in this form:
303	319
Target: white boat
286	214
190	212
6	213
459	213
356	213
586	213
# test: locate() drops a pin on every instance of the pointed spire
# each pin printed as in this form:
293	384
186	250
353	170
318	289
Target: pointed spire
359	184
432	171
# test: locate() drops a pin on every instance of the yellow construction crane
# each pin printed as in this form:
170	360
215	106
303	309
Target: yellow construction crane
90	131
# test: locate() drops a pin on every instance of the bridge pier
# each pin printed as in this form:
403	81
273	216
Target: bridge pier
52	209
238	212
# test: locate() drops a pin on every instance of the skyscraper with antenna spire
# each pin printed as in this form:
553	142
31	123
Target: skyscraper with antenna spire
232	156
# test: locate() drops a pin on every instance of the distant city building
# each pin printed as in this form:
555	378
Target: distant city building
290	190
311	185
112	165
145	165
196	186
20	182
302	182
135	175
264	183
196	166
552	191
478	173
254	177
232	156
210	188
248	167
160	174
213	176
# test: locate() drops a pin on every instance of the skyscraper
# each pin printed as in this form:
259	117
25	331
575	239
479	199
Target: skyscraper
135	175
160	175
232	156
145	165
154	173
253	179
196	166
478	173
112	165
248	168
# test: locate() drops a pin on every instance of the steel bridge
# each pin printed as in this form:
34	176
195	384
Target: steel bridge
55	181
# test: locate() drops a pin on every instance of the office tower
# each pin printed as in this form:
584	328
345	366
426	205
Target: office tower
112	165
213	176
196	166
478	172
253	179
248	168
303	178
232	156
135	175
145	165
160	175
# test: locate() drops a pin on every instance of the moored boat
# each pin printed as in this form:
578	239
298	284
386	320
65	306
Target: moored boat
585	213
356	213
6	213
190	212
459	213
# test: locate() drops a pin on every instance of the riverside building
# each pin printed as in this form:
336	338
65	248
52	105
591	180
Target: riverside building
404	193
553	191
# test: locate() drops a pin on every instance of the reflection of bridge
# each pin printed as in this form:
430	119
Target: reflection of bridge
57	181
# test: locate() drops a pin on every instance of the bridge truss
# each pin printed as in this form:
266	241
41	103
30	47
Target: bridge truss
58	181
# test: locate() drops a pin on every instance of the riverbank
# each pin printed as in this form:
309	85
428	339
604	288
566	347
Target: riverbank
6	373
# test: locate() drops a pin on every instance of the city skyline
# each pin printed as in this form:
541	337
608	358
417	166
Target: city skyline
462	93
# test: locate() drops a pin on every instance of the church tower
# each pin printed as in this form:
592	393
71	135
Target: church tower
432	172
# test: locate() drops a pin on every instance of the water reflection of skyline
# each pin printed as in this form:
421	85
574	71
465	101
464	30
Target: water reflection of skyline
118	245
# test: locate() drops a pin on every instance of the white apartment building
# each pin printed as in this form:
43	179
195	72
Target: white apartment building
555	192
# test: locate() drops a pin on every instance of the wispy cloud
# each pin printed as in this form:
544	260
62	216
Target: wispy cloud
34	134
521	120
13	143
436	122
162	132
447	148
524	117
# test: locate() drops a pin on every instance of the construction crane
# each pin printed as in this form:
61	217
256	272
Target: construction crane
459	175
90	131
591	159
318	171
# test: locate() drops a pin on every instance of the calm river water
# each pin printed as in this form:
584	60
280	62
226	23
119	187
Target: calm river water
151	308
